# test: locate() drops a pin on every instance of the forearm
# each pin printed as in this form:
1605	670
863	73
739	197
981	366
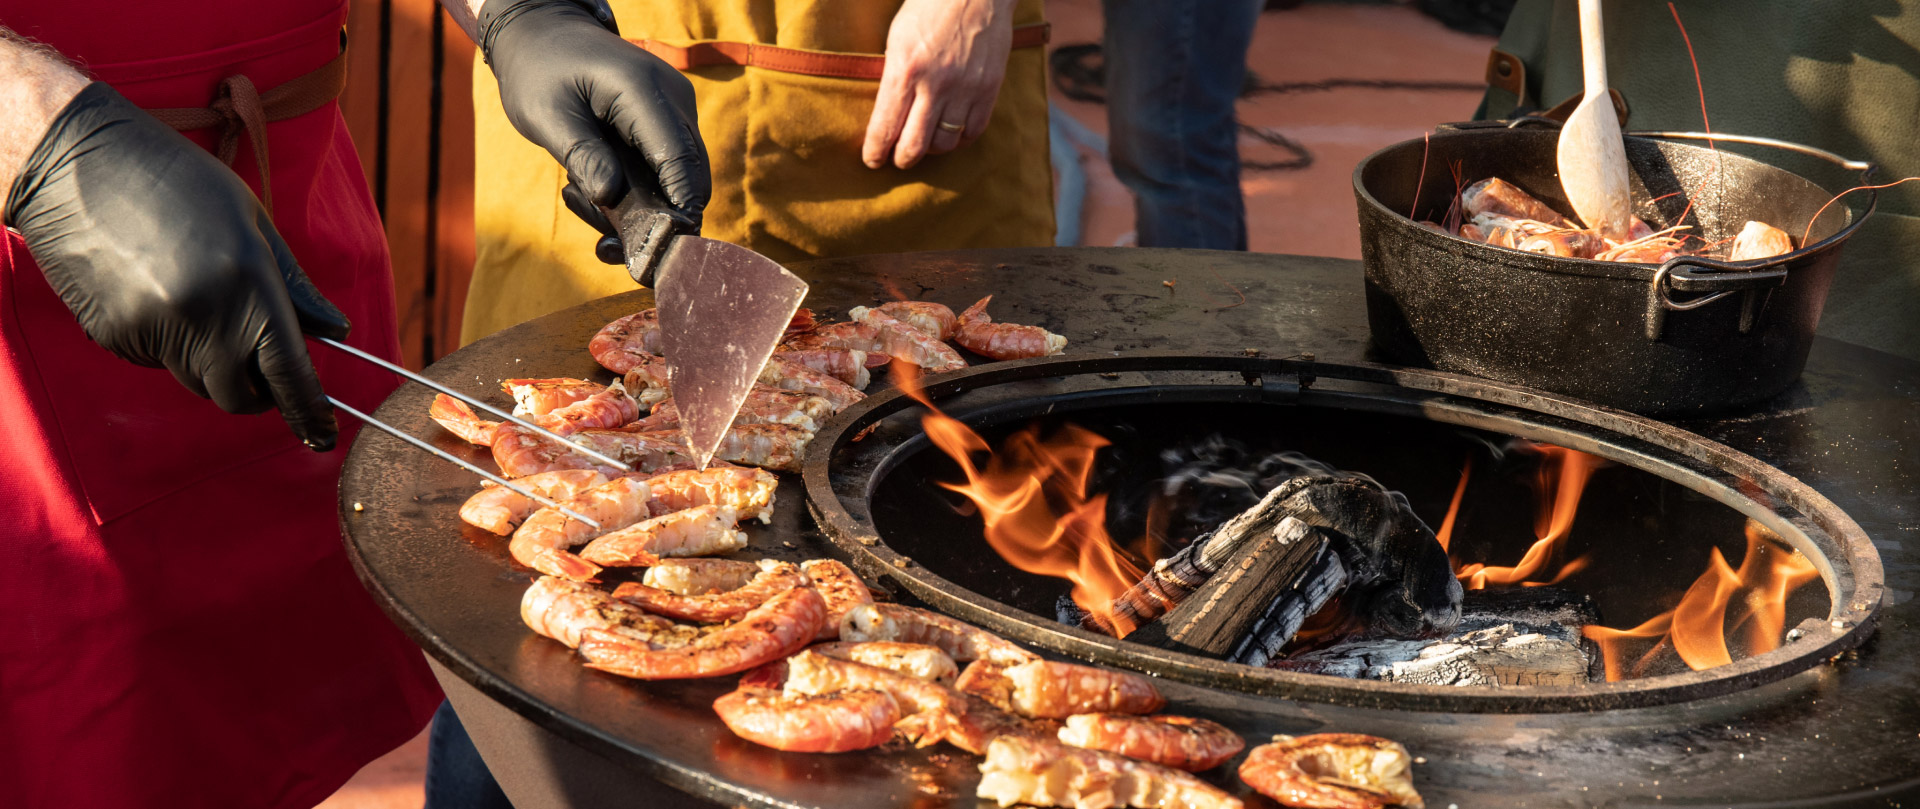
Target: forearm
35	85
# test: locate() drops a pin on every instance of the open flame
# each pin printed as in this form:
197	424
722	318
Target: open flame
1697	630
1562	478
1032	495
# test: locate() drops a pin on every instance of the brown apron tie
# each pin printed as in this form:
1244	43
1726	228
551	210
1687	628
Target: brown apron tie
794	60
240	107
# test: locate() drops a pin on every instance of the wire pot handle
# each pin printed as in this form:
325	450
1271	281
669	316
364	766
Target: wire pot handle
1865	167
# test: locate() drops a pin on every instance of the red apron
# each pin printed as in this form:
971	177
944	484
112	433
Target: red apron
182	627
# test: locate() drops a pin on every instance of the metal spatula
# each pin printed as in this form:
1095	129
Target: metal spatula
1592	156
723	309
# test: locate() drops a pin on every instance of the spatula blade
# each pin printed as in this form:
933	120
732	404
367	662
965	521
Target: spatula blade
723	309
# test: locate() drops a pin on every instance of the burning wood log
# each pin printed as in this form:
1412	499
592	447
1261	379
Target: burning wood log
1265	572
1391	569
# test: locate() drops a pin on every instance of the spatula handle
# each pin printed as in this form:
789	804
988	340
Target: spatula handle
1593	48
646	223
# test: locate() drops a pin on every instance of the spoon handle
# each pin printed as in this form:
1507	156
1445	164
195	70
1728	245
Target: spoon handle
1593	48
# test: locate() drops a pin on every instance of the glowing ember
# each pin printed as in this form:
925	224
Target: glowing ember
1032	495
1697	630
1562	479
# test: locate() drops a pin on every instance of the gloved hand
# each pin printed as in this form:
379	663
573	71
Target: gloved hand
168	260
594	101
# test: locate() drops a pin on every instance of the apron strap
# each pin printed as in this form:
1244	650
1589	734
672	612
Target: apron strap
794	60
239	107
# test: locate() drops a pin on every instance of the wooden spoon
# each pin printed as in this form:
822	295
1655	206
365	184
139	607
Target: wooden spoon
1592	155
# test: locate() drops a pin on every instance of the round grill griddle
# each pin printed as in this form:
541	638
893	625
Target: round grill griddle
1848	430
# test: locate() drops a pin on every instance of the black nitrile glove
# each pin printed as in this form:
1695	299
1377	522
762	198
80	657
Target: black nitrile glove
593	100
169	261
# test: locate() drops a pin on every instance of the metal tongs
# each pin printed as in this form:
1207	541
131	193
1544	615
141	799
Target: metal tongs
410	376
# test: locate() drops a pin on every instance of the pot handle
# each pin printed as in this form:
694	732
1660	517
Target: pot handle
1865	167
1718	279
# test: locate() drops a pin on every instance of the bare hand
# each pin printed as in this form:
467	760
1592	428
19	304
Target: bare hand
945	61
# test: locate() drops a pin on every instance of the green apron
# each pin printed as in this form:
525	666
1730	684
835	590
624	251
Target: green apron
1840	75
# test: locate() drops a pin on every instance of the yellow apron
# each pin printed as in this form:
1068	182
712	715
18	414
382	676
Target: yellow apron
785	147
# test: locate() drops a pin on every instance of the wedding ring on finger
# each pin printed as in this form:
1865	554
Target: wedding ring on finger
949	126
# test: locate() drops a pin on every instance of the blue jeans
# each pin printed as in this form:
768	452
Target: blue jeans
1174	69
456	777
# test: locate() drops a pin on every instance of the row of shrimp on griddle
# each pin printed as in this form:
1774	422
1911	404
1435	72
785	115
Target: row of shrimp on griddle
827	669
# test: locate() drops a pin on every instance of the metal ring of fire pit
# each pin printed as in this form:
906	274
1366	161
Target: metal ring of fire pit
841	475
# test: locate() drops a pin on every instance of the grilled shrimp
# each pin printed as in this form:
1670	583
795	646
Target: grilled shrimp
460	420
697	531
609	408
562	610
842	589
855	719
765	405
981	722
780	627
855	336
908	344
692	577
647	379
932	318
499	509
848	365
1044	772
785	374
774	446
773	579
1044	689
646	452
624	343
537	397
542	542
1180	742
930	709
1003	341
746	490
1332	771
520	452
916	660
962	641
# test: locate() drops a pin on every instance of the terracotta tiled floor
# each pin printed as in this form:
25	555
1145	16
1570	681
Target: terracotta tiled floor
1308	211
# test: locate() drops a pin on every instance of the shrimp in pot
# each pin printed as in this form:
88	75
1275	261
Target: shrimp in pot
962	641
773	579
780	627
624	343
460	420
916	660
908	344
1042	772
929	709
1332	771
746	490
1004	341
932	318
842	589
1180	742
697	531
785	374
562	610
845	364
692	577
499	509
538	397
855	719
1045	689
542	542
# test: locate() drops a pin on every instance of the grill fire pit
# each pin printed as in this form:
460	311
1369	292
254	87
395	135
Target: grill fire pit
1830	718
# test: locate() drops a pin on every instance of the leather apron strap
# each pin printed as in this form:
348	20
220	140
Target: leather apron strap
794	60
240	107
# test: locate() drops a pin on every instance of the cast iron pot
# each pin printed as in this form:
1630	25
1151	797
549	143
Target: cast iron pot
1689	336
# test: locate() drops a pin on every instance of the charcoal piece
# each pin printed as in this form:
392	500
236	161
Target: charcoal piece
1535	608
1218	615
1324	578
